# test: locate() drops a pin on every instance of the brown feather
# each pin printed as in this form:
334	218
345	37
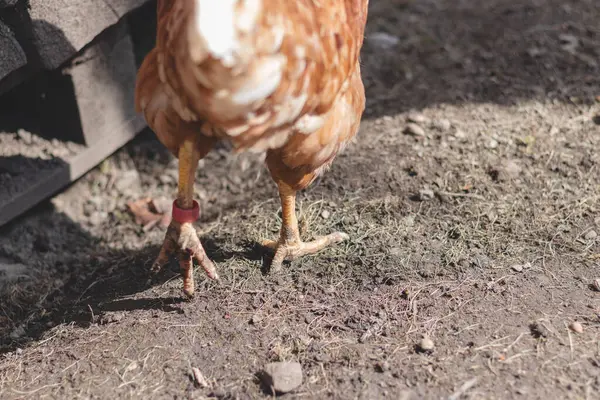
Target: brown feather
291	86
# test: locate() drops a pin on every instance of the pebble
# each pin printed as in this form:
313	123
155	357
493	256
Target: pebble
25	136
414	129
460	134
576	327
127	180
426	345
511	169
18	332
591	235
325	214
97	218
165	179
443	125
256	319
283	377
492	144
569	42
517	267
596	284
417	118
426	194
535	52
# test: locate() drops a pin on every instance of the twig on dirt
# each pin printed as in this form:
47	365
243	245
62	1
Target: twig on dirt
185	326
69	367
199	378
570	341
463	389
35	390
465	329
491	344
91	311
46	340
89	287
521	354
507	348
467	195
324	375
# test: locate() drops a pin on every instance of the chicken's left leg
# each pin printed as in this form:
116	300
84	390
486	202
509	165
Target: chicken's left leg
290	246
181	239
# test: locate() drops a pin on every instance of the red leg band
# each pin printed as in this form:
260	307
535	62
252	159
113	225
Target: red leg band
183	216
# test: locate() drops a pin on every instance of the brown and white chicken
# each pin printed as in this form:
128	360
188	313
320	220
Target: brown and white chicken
280	77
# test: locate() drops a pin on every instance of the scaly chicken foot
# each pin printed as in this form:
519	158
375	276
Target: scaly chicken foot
181	239
289	246
182	242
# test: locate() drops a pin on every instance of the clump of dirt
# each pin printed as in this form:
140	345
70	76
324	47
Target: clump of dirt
477	231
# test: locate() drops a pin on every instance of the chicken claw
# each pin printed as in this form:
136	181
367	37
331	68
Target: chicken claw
291	249
181	241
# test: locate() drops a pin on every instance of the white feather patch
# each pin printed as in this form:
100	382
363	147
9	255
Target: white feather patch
218	22
263	81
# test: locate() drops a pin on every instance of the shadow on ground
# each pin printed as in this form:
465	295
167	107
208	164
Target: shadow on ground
81	278
450	52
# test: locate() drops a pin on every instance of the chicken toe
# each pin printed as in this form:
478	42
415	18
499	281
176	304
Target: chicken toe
182	242
289	250
289	246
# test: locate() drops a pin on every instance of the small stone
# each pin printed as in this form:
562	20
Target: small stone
591	235
576	327
19	351
569	42
443	125
283	377
127	180
596	284
492	144
417	118
325	214
517	267
426	194
18	332
535	52
426	345
25	136
165	179
511	169
460	135
97	218
414	129
256	319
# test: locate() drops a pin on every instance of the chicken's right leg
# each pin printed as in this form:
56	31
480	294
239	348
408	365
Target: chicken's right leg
181	239
290	246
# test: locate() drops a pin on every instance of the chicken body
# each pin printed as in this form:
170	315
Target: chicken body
275	76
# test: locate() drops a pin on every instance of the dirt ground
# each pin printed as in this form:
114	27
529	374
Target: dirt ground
478	228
